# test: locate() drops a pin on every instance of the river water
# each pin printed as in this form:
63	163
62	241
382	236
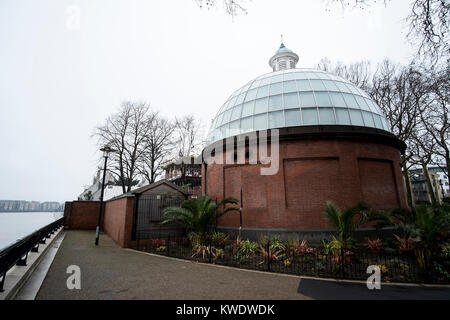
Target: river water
16	225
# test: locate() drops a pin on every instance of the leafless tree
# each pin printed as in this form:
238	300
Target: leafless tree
125	131
232	7
436	118
187	139
421	150
402	95
158	145
428	23
358	73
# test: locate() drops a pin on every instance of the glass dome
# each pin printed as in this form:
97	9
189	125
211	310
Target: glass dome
295	97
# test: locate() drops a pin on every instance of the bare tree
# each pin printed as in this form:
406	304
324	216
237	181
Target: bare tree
125	131
402	94
358	73
232	7
436	118
421	149
158	145
428	25
188	140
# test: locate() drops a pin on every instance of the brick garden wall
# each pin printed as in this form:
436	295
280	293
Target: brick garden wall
118	220
81	215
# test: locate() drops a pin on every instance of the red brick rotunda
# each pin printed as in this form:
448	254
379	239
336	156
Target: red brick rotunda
334	145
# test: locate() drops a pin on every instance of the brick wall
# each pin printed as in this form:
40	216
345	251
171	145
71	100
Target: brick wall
311	172
81	215
118	220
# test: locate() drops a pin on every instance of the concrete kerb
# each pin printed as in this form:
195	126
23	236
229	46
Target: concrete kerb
17	276
406	284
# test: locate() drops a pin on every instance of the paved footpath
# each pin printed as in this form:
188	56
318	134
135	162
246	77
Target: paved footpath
111	272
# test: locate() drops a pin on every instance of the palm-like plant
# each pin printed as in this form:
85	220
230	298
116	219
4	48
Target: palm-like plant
199	215
346	222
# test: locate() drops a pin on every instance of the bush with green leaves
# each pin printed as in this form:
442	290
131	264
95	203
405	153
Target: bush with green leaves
346	222
248	248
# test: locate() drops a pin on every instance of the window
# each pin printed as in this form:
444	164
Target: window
307	99
342	116
277	78
236	112
260	121
291	100
263	92
309	116
276	88
350	100
362	103
330	85
326	116
317	85
276	102
323	100
251	94
303	85
276	119
338	99
356	117
247	109
289	86
377	119
343	87
368	119
247	124
292	117
261	105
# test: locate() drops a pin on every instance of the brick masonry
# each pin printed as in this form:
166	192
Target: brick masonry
311	172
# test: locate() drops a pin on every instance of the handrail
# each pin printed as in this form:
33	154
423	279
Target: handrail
17	253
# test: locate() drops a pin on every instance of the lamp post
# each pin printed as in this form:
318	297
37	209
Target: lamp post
106	150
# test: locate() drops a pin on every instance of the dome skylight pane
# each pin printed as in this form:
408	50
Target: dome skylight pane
292	117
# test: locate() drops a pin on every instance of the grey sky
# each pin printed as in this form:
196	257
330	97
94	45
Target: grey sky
57	83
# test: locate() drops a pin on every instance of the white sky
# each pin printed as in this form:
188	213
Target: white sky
57	83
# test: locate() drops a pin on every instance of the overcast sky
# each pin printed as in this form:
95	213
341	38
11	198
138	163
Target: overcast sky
58	81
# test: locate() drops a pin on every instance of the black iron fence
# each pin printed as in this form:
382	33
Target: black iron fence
395	265
17	253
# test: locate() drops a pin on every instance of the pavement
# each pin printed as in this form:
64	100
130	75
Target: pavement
110	272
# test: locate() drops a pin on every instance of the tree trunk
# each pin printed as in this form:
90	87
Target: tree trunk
409	193
406	177
428	184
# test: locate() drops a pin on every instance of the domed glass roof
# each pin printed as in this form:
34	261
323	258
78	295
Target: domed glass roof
295	97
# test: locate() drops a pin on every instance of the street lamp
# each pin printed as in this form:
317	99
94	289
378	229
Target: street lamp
106	150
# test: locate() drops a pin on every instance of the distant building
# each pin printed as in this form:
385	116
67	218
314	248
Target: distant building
439	181
186	176
93	192
30	206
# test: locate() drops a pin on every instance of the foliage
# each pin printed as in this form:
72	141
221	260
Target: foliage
195	239
302	248
161	248
374	245
219	238
428	224
406	244
346	222
203	251
219	253
248	248
199	215
269	255
276	244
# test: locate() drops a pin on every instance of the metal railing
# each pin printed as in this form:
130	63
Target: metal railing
345	264
17	253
